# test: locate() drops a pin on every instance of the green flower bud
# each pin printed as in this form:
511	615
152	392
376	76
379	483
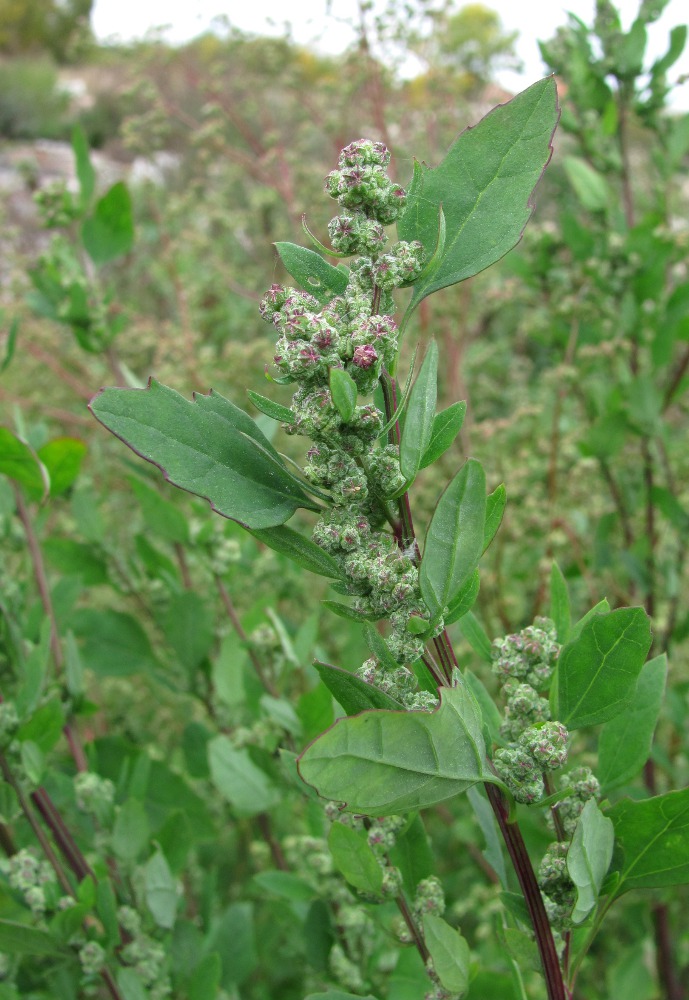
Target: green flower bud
524	708
383	469
553	877
546	745
520	774
429	898
528	656
92	958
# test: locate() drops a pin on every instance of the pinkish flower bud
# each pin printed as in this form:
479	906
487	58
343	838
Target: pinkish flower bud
365	356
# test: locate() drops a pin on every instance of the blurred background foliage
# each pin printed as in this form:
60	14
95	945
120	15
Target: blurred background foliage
572	354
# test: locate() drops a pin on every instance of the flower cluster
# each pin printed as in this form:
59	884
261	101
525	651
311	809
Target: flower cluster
35	880
94	795
524	664
556	885
356	333
553	876
583	785
361	183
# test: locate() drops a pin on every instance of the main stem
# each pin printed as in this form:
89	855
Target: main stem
511	833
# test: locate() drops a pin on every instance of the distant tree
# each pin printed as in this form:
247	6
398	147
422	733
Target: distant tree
469	43
59	27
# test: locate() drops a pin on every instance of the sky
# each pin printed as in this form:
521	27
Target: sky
311	23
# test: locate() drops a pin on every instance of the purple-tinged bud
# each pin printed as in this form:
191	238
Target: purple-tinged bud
365	356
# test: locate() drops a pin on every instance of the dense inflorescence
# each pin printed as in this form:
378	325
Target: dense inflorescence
356	333
524	664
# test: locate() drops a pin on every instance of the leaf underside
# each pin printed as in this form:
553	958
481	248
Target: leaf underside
381	763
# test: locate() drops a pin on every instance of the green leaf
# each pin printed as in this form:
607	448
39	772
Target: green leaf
299	549
109	232
379	647
450	953
162	518
559	604
234	938
678	39
205	979
74	668
417	625
276	411
436	260
33	761
161	890
343	391
419	421
208	447
86	175
628	57
318	936
245	786
462	604
20	939
282	712
515	903
446	426
495	508
62	457
624	744
409	981
350	691
475	635
188	624
454	540
131	985
354	858
316	712
44	727
285	885
106	904
589	857
20	463
597	672
670	507
602	608
590	187
76	559
489	710
131	831
485	186
349	613
314	274
381	763
652	841
35	673
113	644
485	818
412	854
